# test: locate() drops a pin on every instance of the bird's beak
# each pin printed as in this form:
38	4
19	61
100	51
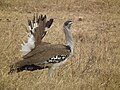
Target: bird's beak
71	23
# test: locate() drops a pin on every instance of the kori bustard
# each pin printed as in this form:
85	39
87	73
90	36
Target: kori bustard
47	55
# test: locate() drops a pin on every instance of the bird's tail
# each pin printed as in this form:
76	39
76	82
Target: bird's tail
37	30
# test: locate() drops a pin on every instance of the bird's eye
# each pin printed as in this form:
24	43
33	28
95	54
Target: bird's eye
65	23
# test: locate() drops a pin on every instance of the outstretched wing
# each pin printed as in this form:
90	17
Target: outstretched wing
37	30
39	26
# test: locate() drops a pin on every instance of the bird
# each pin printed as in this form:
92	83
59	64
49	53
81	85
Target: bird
49	56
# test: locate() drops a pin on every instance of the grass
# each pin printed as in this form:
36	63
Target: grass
95	64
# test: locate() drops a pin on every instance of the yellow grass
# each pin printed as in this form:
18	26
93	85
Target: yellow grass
96	61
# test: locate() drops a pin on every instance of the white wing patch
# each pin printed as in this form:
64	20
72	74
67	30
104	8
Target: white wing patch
31	41
46	29
27	47
57	59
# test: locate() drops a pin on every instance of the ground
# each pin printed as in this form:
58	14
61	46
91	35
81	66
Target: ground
96	31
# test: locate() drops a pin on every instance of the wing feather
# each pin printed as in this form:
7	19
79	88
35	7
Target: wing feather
37	31
41	54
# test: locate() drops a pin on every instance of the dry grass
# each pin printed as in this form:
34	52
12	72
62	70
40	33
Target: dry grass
96	61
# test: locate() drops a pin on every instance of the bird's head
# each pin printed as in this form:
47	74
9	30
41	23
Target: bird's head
68	24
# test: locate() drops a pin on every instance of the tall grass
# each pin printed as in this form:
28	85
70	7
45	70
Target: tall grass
95	64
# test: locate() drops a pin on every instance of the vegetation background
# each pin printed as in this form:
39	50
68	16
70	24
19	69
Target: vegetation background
96	30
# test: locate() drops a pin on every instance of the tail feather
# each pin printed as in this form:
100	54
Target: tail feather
37	30
47	26
49	23
25	49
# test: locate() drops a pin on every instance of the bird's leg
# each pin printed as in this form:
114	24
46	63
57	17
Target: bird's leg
51	71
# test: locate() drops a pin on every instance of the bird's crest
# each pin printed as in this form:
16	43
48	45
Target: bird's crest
37	30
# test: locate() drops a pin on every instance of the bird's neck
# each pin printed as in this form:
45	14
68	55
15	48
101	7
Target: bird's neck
69	38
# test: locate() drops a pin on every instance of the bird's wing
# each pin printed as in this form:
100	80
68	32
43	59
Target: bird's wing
40	48
42	54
